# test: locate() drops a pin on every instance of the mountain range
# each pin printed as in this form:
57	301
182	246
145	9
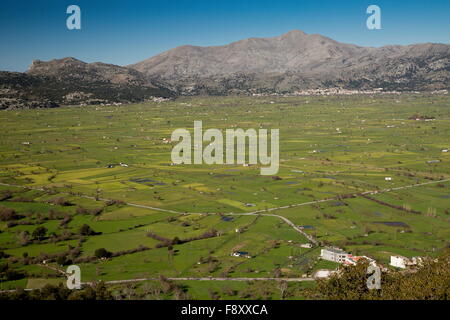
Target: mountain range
284	64
70	81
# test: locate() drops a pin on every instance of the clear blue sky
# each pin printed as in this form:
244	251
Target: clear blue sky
125	32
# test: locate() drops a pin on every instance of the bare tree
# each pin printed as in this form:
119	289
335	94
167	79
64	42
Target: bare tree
283	286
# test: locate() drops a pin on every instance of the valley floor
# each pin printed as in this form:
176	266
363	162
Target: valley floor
60	170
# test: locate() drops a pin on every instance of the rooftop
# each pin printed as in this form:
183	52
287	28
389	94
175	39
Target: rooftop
335	250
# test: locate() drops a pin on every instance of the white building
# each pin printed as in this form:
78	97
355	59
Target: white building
334	254
340	256
241	254
398	262
403	262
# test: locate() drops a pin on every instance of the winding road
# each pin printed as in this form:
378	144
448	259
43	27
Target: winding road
262	212
257	212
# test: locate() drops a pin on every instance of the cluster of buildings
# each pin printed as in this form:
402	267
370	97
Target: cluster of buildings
332	91
158	99
340	256
338	91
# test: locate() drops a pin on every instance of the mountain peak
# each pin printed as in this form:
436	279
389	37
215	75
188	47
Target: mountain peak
38	65
294	32
292	51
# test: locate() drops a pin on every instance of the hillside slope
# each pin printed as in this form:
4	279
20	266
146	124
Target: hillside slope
71	81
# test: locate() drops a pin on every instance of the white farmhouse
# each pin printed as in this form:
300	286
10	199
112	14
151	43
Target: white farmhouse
334	254
403	262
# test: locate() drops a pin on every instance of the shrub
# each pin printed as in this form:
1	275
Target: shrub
5	195
65	221
81	210
86	230
7	214
113	202
39	233
63	261
61	202
102	253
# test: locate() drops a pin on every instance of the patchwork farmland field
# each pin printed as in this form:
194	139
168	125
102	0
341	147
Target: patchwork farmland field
109	167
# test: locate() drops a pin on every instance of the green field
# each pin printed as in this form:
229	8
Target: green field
54	166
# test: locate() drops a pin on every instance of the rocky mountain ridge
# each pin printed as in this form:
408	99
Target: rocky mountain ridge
285	64
296	61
